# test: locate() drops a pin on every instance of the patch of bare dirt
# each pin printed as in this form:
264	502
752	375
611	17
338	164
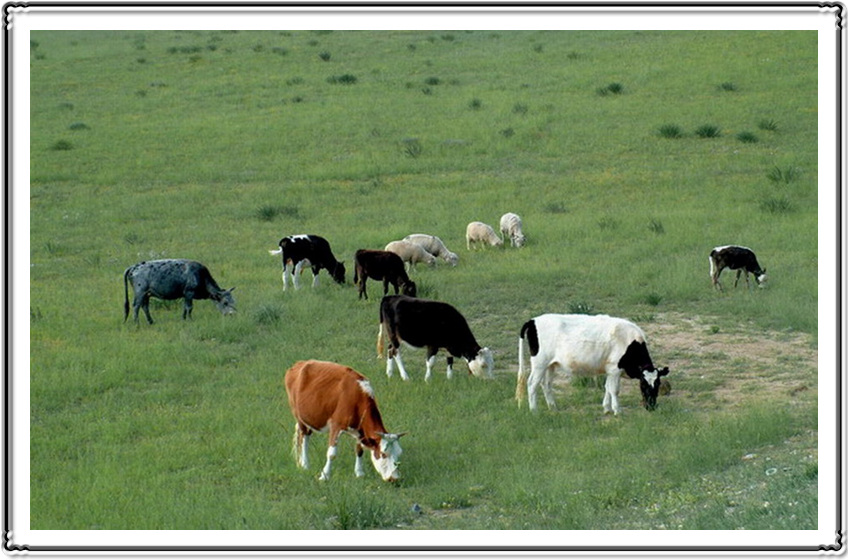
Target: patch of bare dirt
735	365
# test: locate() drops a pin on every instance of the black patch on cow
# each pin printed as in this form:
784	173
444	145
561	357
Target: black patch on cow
635	360
528	331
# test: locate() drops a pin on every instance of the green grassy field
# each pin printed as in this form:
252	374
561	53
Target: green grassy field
629	155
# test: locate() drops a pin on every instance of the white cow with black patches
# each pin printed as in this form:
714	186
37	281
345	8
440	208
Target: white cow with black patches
585	345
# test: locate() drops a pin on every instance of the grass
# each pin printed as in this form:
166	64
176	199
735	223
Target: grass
184	425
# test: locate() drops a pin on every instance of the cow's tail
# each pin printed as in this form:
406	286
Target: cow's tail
521	384
380	340
126	296
712	266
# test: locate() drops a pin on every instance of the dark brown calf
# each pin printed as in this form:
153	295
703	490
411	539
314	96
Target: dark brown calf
381	265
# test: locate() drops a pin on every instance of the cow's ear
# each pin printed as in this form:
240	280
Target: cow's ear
663	371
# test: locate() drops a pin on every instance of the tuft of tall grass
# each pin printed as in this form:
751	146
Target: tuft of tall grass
767	124
344	79
776	205
783	175
670	131
747	137
708	131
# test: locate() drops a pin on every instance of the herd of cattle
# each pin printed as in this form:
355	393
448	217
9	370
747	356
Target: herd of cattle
325	396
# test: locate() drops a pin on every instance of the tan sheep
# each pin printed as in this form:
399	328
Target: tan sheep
511	227
478	232
411	253
434	246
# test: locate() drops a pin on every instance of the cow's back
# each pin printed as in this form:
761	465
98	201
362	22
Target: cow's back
421	322
317	390
166	278
584	343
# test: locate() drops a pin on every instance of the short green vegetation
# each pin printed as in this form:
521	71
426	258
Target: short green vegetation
212	145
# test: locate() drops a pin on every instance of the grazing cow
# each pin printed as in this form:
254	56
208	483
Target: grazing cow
381	265
308	250
478	232
432	325
740	259
173	279
511	227
411	253
434	246
325	396
587	345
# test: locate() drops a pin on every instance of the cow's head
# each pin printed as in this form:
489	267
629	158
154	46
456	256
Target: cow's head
649	384
385	456
520	240
761	279
338	273
409	289
225	301
482	364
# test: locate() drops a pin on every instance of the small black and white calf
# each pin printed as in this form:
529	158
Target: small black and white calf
740	259
308	250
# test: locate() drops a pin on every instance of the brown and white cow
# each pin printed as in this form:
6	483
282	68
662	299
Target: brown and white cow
325	396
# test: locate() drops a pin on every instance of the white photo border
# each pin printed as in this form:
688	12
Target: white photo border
826	18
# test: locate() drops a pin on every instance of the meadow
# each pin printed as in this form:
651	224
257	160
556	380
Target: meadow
629	155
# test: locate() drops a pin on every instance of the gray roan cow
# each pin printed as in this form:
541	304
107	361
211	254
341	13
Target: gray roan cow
173	279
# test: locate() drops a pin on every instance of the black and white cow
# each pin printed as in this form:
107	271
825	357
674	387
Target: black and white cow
173	279
740	259
432	325
381	265
308	250
587	345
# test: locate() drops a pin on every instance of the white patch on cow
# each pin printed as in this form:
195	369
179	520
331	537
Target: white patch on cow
430	361
650	377
482	364
387	460
761	280
366	387
300	236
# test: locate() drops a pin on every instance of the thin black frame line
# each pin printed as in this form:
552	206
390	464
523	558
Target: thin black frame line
8	531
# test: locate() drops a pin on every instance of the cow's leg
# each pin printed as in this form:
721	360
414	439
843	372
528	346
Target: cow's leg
286	273
403	374
537	373
298	268
611	386
390	356
431	359
362	291
331	453
358	471
450	366
301	446
187	305
738	274
145	306
547	386
315	270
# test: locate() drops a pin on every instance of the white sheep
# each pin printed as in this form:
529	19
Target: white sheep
478	232
511	227
411	253
434	246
